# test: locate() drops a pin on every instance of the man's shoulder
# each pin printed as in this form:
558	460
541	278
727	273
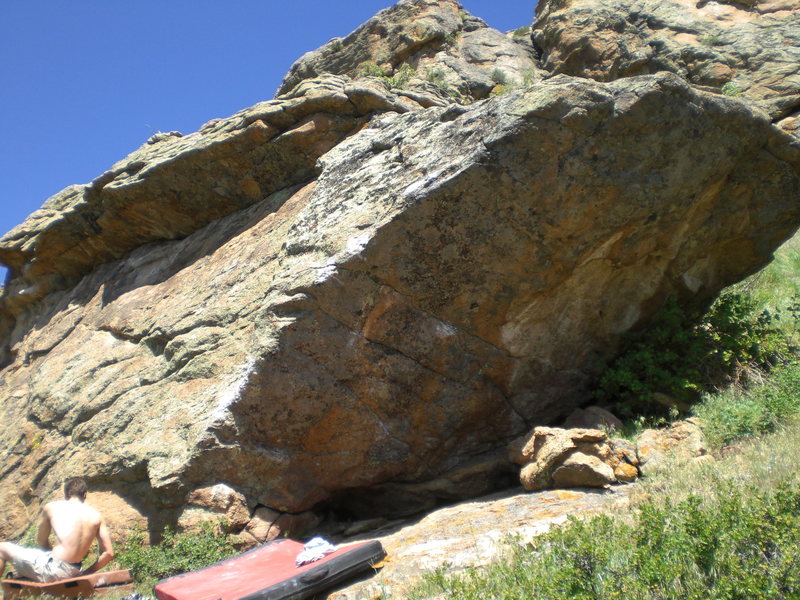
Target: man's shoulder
53	505
92	512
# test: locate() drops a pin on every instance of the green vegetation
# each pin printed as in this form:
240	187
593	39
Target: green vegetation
683	354
778	285
737	413
731	89
712	40
176	553
371	69
529	77
521	32
401	77
436	77
499	77
398	80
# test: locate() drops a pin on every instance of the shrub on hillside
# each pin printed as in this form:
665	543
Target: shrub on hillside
737	413
176	553
682	354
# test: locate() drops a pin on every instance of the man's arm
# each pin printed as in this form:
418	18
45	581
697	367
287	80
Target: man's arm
43	535
104	548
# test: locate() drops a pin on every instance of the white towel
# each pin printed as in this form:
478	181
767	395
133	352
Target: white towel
313	550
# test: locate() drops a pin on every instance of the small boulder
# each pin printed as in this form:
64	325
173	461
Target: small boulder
264	524
681	441
268	524
626	473
215	503
583	470
593	417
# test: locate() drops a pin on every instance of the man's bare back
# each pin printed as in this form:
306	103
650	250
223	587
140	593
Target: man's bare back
75	526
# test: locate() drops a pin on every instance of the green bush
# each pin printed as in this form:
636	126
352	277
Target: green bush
731	89
744	546
371	69
681	354
521	32
499	77
175	553
401	77
712	40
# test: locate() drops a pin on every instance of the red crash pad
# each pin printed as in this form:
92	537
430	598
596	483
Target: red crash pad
269	573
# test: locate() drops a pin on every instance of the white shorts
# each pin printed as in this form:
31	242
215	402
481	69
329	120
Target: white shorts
41	565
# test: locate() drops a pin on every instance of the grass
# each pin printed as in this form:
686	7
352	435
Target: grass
731	89
778	285
521	32
175	553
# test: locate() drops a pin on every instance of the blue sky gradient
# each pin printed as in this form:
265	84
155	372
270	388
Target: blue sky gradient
86	82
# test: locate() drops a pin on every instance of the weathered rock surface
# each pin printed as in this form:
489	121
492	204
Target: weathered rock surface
443	45
752	48
350	291
174	185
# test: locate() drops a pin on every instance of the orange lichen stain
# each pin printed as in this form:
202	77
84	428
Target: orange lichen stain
326	435
568	495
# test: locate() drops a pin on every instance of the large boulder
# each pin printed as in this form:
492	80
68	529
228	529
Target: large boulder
341	291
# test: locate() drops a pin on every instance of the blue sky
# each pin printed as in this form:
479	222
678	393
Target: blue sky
85	82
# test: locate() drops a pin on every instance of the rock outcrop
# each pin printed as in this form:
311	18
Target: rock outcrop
749	48
353	292
426	46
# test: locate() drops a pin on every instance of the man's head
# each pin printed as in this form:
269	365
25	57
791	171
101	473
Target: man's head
75	487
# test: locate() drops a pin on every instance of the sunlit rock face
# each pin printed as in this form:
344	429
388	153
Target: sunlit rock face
354	297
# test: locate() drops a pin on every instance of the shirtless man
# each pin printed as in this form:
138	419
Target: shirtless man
76	525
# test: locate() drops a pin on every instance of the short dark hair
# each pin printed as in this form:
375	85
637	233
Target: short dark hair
75	486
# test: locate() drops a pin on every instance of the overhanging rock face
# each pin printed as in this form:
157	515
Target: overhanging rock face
366	298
